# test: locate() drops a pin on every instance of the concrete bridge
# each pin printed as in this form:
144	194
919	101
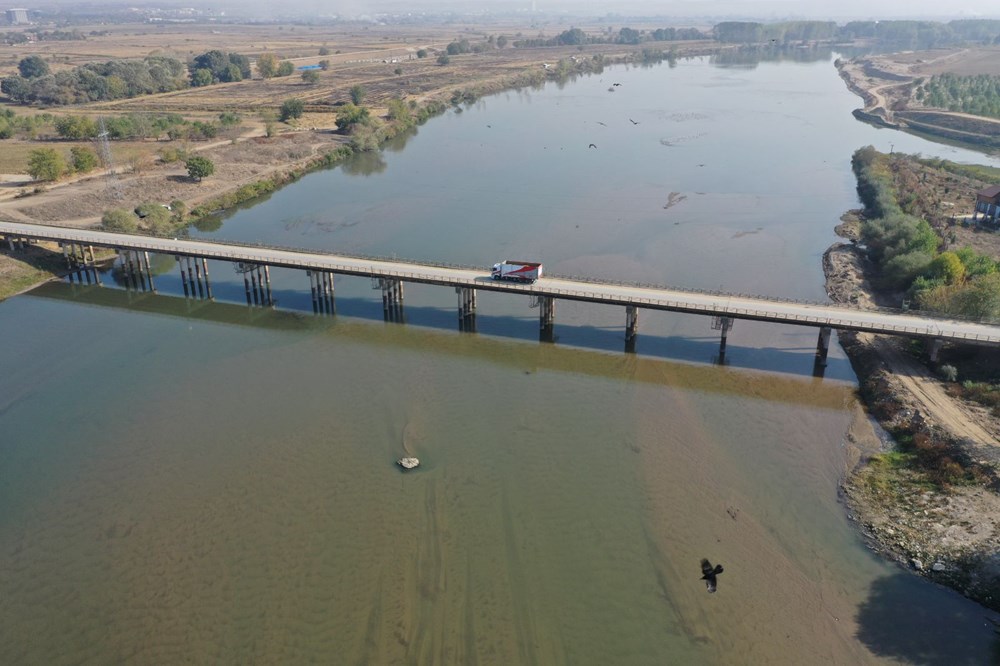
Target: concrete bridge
254	262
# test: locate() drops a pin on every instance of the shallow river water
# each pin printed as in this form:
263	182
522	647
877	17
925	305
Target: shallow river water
206	482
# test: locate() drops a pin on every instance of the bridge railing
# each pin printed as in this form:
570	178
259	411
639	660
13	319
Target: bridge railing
508	286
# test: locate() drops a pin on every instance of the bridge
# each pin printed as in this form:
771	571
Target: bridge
389	275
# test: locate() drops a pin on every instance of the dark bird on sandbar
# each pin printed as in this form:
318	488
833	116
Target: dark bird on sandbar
592	146
709	574
632	121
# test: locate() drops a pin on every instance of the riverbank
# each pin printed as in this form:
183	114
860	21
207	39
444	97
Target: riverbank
887	84
254	164
927	498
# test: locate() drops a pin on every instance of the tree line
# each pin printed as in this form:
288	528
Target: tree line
119	79
93	82
910	255
978	95
908	34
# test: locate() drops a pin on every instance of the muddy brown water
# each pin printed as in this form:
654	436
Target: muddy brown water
188	481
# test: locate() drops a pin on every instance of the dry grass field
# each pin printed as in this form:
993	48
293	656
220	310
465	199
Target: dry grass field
381	59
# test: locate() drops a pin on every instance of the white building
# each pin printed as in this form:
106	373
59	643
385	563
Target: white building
17	16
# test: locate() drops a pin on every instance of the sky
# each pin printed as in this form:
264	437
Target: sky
763	9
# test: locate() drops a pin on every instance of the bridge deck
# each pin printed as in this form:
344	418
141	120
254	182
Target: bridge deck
912	324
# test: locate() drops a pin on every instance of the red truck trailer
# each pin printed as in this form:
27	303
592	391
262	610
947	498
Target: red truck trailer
517	271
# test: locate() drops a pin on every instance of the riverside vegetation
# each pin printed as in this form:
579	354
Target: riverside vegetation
931	502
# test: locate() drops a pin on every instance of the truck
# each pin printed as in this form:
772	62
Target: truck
516	271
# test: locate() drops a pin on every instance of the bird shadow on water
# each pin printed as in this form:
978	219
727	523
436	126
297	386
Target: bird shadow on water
908	619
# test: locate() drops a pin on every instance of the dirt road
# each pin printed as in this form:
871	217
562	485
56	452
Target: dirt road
956	417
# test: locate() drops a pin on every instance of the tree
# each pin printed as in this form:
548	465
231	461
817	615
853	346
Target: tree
33	67
350	115
323	50
285	68
83	158
155	216
179	210
17	88
324	65
232	74
46	164
422	53
202	77
267	65
310	76
291	108
199	167
357	94
119	219
443	59
501	42
948	267
76	127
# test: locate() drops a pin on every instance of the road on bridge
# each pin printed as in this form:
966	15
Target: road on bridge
737	306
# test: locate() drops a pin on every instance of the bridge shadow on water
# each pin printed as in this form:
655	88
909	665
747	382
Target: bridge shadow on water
903	617
355	316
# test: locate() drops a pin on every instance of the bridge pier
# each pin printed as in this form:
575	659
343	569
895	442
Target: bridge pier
631	322
934	348
631	328
547	318
723	324
193	280
267	283
392	299
208	285
323	301
149	271
467	302
254	286
82	266
823	345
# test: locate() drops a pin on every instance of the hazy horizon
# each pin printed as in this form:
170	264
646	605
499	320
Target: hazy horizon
718	9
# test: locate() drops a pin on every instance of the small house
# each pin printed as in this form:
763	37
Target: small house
988	204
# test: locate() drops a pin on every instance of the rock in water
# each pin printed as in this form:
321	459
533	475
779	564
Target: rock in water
407	463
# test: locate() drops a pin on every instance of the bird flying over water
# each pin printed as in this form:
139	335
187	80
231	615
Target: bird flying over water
616	84
592	146
709	574
632	121
600	123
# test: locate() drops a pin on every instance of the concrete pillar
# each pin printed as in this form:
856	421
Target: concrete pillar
631	322
323	279
254	288
725	324
312	288
61	245
197	278
190	274
10	242
546	318
934	349
149	271
246	284
208	285
93	265
823	345
267	281
183	276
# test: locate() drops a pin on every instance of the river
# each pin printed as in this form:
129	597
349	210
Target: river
206	482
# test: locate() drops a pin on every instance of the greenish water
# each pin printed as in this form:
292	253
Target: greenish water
189	481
